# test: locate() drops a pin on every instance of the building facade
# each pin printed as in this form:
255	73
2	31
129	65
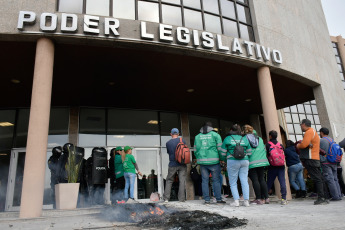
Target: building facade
124	72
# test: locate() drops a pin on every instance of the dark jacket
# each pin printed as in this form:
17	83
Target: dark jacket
291	156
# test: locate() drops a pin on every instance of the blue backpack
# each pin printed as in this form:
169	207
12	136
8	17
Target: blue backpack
334	153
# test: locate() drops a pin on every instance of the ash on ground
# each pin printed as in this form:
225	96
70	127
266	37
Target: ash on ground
152	215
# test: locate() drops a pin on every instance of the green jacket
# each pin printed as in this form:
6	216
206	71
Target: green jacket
259	156
229	145
118	166
207	146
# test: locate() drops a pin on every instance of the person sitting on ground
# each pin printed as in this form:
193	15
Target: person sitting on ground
295	169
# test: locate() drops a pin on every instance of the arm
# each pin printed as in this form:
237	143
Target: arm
136	166
224	150
306	140
324	145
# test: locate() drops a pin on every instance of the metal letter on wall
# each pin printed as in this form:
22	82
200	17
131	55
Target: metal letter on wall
208	41
277	57
111	24
53	22
182	36
89	22
249	47
236	47
143	32
266	53
64	22
196	40
25	17
165	33
220	45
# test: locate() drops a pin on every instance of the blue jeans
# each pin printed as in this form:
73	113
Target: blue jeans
279	172
205	173
130	180
296	175
238	168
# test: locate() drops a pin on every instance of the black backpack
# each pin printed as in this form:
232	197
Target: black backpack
238	152
194	173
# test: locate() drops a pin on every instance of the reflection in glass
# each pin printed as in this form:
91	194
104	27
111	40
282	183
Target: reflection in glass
124	9
243	14
172	15
68	6
7	119
230	28
58	127
192	3
246	33
148	11
212	23
193	19
211	6
97	7
228	9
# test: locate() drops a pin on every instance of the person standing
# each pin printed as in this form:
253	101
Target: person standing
257	163
207	146
175	167
329	169
295	169
129	167
237	167
273	148
53	166
310	156
117	174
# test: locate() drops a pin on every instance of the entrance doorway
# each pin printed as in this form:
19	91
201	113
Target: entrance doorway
15	182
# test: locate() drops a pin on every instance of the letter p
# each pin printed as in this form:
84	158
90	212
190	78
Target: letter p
25	17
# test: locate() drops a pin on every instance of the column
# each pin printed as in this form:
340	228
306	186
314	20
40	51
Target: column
186	137
36	149
270	115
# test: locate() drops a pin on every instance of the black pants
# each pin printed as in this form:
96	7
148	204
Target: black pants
314	169
341	180
256	175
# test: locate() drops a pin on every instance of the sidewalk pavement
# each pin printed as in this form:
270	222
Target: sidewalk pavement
298	214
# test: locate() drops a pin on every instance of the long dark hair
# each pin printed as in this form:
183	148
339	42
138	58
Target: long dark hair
235	130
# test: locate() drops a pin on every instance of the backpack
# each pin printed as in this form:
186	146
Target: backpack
253	140
238	152
194	175
276	155
182	153
334	153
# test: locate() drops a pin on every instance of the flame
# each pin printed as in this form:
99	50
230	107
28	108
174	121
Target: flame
156	211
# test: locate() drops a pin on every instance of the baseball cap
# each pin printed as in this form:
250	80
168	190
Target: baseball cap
127	148
175	131
119	148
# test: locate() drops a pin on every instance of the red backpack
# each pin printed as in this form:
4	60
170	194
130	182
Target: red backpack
276	155
182	153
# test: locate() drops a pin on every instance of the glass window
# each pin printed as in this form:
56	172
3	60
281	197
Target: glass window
92	127
228	9
310	117
334	45
148	11
173	1
212	23
313	102
243	1
314	109
307	108
341	76
192	3
287	109
290	128
22	127
230	28
124	9
97	7
288	118
172	15
335	51
292	137
302	116
340	68
299	137
58	127
295	118
243	14
68	6
337	58
318	127
298	129
300	108
7	122
317	119
193	19
293	109
246	33
211	6
225	127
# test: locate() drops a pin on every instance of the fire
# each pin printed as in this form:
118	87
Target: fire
156	211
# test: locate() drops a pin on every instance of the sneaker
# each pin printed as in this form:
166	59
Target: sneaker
283	202
339	199
256	202
207	202
267	201
320	201
131	201
121	202
246	203
166	201
221	202
236	203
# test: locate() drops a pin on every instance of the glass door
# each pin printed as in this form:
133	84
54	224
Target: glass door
15	182
149	163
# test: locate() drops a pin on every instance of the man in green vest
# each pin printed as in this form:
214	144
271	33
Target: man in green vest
207	145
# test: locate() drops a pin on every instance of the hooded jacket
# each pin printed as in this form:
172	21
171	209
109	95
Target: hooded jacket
259	155
207	146
229	145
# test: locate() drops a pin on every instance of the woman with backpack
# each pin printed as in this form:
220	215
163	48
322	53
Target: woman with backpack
235	149
257	163
295	169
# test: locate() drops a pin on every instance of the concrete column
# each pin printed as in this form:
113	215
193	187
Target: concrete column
270	115
36	149
186	137
73	127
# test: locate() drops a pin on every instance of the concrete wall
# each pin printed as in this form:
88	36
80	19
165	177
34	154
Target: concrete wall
299	30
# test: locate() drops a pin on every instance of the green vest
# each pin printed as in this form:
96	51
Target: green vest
207	148
229	144
259	156
118	166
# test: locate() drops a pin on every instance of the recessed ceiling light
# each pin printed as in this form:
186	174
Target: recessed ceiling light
5	124
15	81
248	100
190	90
152	122
111	83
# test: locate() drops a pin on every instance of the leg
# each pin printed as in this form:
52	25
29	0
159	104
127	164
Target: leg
243	174
204	184
253	175
263	185
300	178
271	176
341	179
292	171
132	182
215	171
125	195
314	171
281	178
336	182
169	182
233	170
329	178
182	170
